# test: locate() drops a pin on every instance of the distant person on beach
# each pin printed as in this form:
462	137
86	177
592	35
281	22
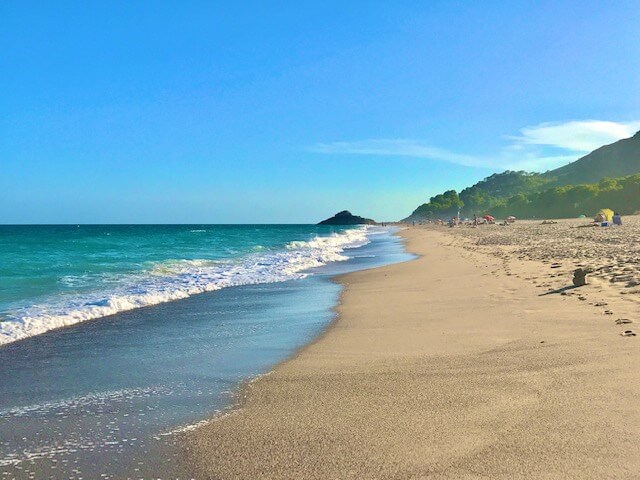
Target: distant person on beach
617	220
475	220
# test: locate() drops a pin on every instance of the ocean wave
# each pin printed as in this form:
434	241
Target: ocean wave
178	279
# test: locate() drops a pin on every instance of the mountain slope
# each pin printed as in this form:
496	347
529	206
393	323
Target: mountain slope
615	160
508	189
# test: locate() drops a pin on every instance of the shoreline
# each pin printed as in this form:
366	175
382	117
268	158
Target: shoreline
241	393
230	334
399	395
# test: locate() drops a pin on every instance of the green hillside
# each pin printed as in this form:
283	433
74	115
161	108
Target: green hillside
492	190
616	160
444	205
529	194
620	194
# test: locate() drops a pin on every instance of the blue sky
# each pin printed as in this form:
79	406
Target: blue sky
218	112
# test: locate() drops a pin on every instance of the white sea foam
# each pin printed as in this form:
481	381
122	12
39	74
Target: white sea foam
48	451
178	279
78	403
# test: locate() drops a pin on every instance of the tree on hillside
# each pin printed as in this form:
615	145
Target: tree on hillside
440	206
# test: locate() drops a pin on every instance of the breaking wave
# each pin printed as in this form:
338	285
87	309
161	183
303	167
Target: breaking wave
177	279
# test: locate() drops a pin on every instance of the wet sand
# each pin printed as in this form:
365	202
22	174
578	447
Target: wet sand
460	364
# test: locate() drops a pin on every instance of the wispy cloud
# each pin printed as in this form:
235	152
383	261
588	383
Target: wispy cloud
578	136
396	147
530	150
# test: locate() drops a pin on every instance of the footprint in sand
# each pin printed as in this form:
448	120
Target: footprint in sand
628	333
608	312
623	321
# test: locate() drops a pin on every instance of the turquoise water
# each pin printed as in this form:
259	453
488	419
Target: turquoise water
54	276
197	310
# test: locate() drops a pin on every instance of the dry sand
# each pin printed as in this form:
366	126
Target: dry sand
558	249
449	366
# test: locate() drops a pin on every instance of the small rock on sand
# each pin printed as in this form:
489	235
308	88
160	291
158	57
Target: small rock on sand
580	276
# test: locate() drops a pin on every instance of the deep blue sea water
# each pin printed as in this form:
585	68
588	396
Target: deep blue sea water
162	324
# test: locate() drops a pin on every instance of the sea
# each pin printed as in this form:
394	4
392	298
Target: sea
114	339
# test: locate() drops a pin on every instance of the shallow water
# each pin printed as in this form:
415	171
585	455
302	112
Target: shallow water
99	399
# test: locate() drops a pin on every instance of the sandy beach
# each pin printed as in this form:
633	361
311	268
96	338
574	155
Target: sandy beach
472	361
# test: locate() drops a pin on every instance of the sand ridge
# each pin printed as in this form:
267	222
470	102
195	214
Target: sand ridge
442	367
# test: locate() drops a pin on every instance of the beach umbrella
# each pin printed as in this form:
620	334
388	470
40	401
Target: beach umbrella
607	215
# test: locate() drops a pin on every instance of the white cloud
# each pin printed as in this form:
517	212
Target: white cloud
396	147
578	136
528	151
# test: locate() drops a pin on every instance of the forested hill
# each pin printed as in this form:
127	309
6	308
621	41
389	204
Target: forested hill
504	191
616	160
621	194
